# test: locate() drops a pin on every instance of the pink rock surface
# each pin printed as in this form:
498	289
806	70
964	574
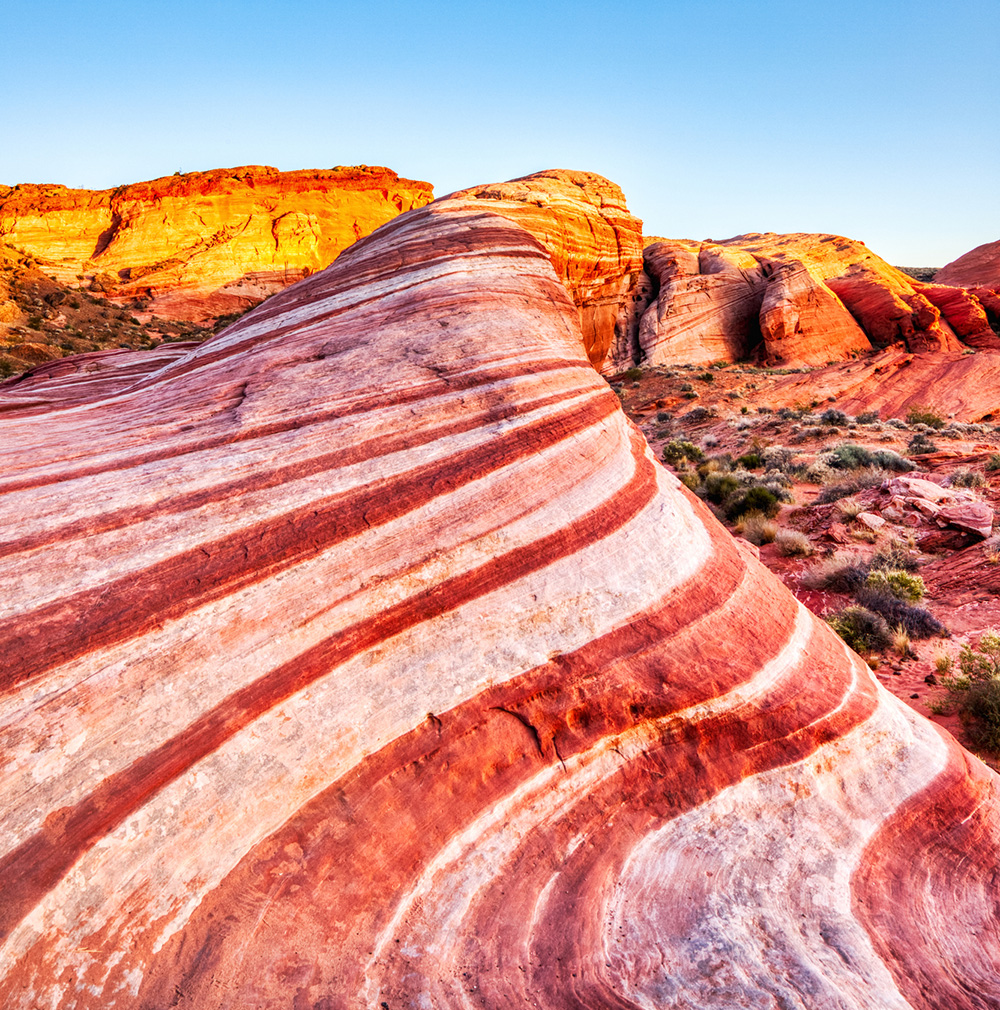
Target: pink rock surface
363	656
980	267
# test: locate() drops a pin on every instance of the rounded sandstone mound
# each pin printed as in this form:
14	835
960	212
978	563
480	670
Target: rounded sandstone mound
362	656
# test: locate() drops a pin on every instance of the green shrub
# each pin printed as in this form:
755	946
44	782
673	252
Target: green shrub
678	449
834	417
34	322
859	480
719	486
889	460
707	377
923	415
754	499
861	629
867	417
976	691
993	463
630	375
689	480
753	461
920	623
848	456
920	445
902	585
893	556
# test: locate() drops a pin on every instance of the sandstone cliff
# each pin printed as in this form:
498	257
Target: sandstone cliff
794	300
363	656
203	244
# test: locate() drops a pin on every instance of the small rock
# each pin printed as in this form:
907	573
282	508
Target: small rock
930	679
912	696
872	521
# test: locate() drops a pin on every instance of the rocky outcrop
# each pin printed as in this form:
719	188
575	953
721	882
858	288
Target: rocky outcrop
203	244
364	656
964	386
792	300
978	268
595	245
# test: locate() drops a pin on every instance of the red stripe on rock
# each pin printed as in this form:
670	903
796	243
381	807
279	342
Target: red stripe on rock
39	863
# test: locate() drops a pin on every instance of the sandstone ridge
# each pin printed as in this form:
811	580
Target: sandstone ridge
203	244
362	655
798	300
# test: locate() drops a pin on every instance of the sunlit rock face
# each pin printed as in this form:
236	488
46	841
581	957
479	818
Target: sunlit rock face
595	245
362	656
204	244
794	300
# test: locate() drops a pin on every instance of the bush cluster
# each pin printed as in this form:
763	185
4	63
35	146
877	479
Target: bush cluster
975	691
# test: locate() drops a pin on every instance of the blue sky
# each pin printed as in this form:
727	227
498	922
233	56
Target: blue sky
878	120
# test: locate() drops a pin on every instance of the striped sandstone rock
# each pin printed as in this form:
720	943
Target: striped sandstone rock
362	656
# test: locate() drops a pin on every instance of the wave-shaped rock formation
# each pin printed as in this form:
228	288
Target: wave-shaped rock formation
363	656
203	244
797	300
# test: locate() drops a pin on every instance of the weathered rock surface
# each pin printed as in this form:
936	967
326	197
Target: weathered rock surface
203	244
793	300
979	267
595	245
964	386
363	656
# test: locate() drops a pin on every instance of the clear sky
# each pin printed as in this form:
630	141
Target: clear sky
879	120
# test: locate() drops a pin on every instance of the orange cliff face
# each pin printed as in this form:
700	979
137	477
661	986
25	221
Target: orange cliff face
594	243
203	244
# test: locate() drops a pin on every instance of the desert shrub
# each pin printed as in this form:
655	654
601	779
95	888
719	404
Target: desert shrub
861	629
686	387
707	377
850	508
841	573
754	461
690	395
753	499
777	457
715	464
630	375
893	556
35	322
993	463
848	456
920	445
678	449
710	441
924	415
966	478
867	417
901	641
920	623
889	460
834	417
719	486
690	480
859	480
976	691
662	416
757	528
792	543
902	585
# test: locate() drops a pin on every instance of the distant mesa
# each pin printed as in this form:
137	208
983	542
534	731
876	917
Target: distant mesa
203	244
